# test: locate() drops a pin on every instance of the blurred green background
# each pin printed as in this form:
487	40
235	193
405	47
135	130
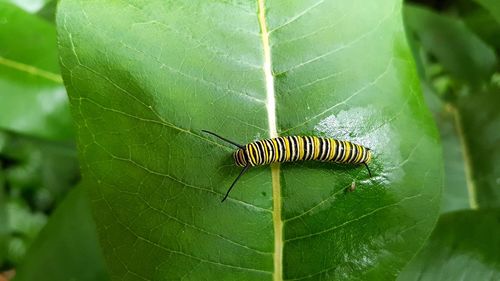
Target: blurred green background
456	45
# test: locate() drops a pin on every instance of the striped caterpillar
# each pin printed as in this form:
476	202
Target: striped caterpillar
296	148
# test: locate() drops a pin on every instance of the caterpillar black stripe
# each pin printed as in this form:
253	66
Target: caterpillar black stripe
296	148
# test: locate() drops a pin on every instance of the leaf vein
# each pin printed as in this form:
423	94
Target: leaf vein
301	237
298	16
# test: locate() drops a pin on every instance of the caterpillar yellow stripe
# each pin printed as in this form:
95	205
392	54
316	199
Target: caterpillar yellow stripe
301	148
297	148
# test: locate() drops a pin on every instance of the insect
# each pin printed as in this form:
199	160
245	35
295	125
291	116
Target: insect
296	148
352	187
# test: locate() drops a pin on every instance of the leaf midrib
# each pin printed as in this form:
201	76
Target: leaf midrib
273	132
32	70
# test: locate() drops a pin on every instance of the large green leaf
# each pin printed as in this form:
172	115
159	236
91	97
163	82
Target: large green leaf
33	99
67	248
145	78
464	246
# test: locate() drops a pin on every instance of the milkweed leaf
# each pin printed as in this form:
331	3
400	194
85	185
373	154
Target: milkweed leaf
144	78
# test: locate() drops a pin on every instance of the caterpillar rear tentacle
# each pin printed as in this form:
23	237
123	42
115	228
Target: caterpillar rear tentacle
296	148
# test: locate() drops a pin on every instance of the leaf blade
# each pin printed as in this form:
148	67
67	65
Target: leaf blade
31	88
457	248
173	75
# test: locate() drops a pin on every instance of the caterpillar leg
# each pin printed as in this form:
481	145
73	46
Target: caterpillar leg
366	165
234	182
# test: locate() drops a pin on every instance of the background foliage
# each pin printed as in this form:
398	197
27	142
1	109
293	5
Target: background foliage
455	44
457	49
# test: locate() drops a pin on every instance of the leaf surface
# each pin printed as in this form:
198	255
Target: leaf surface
464	246
480	128
33	100
145	78
485	25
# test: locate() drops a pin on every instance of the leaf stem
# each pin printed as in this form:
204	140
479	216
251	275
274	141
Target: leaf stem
471	184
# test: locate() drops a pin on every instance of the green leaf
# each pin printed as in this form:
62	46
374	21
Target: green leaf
493	6
31	6
482	23
467	119
464	246
456	194
145	79
48	11
452	44
67	248
479	121
45	9
34	101
3	215
470	132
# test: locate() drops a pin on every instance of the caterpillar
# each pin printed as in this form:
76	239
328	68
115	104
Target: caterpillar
296	148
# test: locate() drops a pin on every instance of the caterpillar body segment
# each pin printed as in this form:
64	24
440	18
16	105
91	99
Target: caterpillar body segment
296	148
300	148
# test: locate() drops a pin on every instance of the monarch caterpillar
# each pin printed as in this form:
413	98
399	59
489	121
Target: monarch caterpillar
296	148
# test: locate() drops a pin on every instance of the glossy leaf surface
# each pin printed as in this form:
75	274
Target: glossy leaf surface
464	246
145	78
